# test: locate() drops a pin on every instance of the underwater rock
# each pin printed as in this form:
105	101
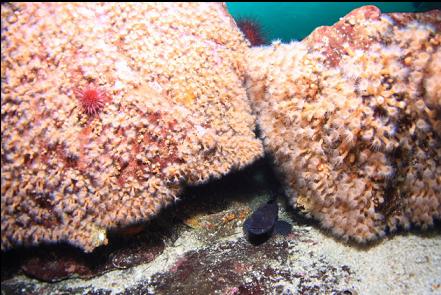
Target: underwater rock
56	263
108	110
237	267
352	117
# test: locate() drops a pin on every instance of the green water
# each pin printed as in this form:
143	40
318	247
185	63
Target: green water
294	21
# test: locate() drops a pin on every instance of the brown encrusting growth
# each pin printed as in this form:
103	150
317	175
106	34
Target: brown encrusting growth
169	108
352	116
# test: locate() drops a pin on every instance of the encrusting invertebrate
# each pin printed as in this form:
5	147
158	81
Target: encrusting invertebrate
361	153
351	115
178	114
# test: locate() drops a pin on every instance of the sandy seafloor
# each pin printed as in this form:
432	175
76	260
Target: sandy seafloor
204	251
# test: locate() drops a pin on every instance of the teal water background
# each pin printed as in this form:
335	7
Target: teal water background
294	21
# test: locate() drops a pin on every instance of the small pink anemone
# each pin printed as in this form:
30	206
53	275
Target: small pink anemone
92	98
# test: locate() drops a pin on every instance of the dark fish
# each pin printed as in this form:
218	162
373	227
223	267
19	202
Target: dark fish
260	225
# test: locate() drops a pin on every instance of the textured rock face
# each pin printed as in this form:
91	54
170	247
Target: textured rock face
107	109
352	115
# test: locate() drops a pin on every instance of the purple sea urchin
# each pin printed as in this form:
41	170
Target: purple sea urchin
252	31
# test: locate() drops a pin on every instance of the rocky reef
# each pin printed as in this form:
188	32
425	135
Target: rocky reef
198	247
352	115
108	110
111	112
